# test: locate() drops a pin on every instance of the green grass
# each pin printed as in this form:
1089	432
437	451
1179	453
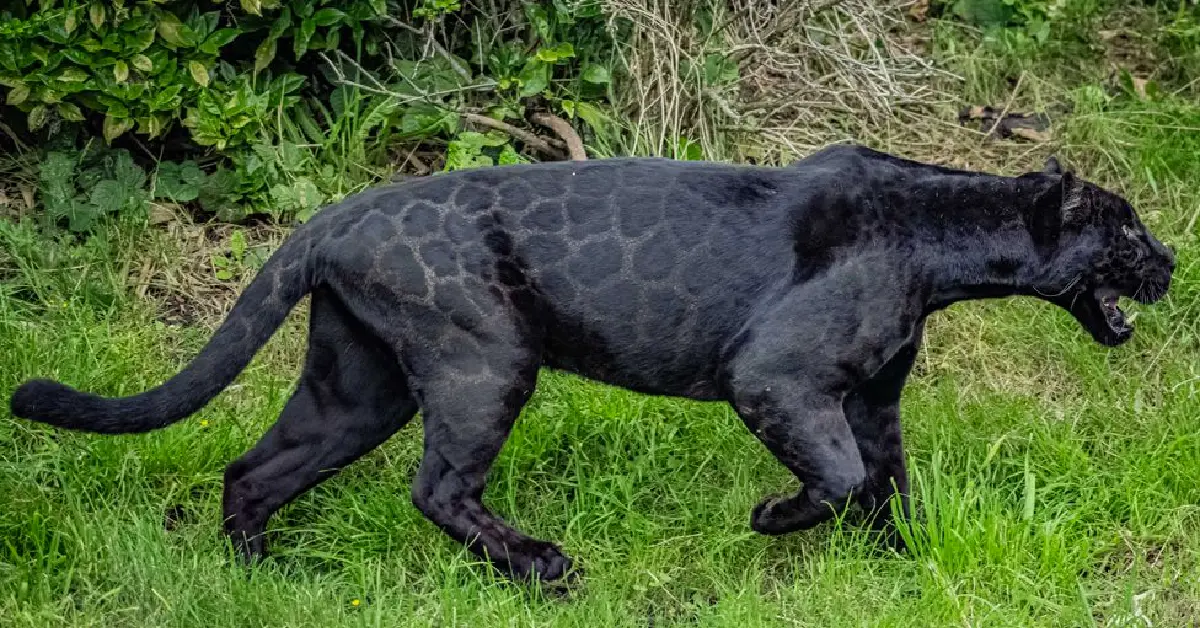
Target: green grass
1057	482
1035	511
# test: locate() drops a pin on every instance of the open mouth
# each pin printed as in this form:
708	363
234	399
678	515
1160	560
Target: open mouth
1097	306
1099	312
1114	318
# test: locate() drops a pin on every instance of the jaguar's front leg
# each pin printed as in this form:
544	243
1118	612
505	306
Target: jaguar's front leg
807	431
788	380
873	412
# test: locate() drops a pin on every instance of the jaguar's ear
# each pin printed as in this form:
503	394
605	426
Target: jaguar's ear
1052	166
1051	210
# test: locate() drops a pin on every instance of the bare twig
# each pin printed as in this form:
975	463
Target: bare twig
377	87
1007	106
21	146
432	42
542	145
564	130
533	141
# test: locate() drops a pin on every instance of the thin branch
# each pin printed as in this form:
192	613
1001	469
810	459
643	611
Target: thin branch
564	130
433	42
533	141
401	99
21	146
530	140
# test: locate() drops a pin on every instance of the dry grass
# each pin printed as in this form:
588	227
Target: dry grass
809	73
177	273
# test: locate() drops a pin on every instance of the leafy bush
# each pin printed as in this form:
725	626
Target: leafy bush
83	188
141	65
282	105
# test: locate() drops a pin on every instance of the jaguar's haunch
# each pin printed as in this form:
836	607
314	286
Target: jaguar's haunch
796	294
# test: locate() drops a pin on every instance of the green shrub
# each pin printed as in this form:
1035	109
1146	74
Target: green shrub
283	105
82	188
141	65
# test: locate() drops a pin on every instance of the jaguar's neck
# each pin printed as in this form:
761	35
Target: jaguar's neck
980	246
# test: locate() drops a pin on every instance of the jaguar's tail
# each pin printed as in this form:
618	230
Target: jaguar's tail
260	310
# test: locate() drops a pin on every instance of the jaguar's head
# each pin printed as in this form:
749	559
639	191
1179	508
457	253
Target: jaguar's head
1096	251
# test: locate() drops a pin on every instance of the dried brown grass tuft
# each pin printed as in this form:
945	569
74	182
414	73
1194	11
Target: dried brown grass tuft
176	271
809	73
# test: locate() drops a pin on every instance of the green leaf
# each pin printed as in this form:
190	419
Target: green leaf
425	120
199	73
18	94
592	115
115	127
56	180
536	14
109	196
237	245
80	217
984	13
172	30
202	25
688	150
73	75
534	77
179	182
300	42
224	273
554	54
167	99
153	126
218	189
69	21
281	24
37	117
300	195
265	54
121	71
595	73
218	40
67	111
308	124
509	156
290	156
142	63
327	17
253	7
719	69
96	14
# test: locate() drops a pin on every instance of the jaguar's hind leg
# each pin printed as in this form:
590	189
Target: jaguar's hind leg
467	420
352	396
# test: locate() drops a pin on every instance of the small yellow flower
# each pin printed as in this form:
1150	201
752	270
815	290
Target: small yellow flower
203	422
355	602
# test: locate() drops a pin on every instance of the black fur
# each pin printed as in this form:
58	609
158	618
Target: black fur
798	295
